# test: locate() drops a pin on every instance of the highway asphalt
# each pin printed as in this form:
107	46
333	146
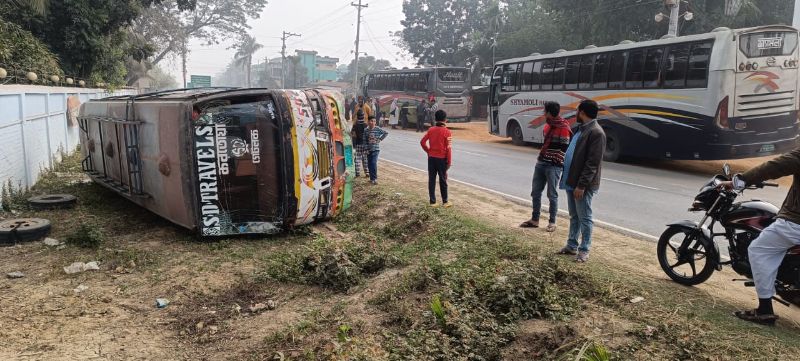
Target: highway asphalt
638	197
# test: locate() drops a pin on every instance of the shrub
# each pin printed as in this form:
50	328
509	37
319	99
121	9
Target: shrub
86	236
19	49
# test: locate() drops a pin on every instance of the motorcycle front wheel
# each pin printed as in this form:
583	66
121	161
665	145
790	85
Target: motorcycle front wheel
692	267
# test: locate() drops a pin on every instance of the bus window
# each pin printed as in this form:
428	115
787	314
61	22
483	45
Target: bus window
422	82
535	77
616	69
600	71
571	75
652	67
547	74
771	43
676	63
585	73
697	77
367	82
558	73
510	77
633	78
527	69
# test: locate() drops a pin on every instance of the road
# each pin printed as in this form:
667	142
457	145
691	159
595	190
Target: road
633	197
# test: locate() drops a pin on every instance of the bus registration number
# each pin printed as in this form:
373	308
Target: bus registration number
767	148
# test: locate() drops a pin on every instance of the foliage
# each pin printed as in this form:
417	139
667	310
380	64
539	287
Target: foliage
86	236
20	50
365	64
161	79
452	32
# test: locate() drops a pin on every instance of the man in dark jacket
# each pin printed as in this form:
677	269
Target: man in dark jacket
767	251
422	115
549	165
360	144
581	178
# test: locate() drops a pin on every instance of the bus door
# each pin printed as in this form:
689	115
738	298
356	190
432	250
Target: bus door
494	102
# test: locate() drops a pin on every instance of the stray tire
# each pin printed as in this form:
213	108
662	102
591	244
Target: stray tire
18	230
516	134
613	146
53	201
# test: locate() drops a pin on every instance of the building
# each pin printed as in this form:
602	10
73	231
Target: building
319	68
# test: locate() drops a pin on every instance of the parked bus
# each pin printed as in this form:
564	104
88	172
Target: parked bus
223	162
721	95
448	87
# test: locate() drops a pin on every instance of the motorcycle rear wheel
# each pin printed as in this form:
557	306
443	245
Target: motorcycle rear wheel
675	266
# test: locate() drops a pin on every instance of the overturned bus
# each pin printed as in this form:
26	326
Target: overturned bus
223	161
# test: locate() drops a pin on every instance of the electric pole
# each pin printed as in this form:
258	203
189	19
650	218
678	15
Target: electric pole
183	57
283	56
796	18
358	35
674	11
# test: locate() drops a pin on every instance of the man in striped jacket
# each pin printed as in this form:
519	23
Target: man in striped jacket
549	165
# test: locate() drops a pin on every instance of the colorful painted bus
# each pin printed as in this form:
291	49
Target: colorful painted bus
448	87
726	94
223	162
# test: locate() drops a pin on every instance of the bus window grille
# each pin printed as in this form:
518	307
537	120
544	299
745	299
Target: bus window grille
87	164
130	130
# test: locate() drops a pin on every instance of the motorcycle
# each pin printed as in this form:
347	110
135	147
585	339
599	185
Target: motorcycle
687	247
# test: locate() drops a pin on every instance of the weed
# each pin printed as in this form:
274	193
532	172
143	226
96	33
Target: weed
87	235
438	311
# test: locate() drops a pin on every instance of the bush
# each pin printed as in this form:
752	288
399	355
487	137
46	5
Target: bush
19	49
86	236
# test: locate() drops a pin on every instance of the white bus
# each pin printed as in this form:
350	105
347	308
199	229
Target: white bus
447	87
721	95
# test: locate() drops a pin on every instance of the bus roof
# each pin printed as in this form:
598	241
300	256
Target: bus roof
715	34
182	94
414	70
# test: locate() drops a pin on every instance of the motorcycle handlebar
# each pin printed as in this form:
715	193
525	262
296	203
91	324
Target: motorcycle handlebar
768	184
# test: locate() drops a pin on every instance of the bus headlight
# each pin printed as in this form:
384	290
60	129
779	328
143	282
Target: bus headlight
749	66
741	67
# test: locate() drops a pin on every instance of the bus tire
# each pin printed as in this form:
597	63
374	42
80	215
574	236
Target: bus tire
613	149
13	231
515	132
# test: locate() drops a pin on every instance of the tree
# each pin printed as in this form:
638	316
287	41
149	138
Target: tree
365	64
168	26
446	32
244	54
162	80
296	73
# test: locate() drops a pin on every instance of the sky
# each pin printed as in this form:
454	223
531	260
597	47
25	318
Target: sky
327	26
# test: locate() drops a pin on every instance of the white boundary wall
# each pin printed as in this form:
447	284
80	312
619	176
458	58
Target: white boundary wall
34	127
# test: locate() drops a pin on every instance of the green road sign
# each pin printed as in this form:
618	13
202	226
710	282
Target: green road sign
201	81
189	85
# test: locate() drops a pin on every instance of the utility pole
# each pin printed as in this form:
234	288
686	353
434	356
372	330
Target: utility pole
358	36
674	16
283	56
183	56
796	18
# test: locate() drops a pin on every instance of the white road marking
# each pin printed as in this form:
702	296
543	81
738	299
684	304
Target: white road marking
631	184
477	154
527	202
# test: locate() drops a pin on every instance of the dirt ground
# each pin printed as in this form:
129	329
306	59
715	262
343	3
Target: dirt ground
478	132
45	316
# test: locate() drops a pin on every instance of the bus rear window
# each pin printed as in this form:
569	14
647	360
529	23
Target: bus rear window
452	75
771	43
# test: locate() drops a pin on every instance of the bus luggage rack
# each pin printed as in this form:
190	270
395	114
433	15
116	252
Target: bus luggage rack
132	167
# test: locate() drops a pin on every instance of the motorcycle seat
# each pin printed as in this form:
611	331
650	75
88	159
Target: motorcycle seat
794	250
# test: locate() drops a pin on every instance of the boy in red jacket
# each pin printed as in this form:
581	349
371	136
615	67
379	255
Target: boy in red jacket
437	143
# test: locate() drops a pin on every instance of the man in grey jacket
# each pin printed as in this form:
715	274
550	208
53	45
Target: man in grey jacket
581	179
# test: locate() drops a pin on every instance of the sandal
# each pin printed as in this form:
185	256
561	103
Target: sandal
567	251
551	227
529	224
753	316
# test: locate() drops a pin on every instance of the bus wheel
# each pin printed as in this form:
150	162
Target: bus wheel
516	134
613	146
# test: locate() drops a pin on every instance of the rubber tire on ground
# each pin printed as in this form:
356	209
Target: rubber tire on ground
702	276
53	201
13	231
613	146
515	132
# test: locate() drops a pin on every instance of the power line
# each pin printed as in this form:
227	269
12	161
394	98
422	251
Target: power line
358	34
283	56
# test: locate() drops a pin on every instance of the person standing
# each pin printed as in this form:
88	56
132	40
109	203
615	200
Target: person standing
582	165
438	144
360	144
549	165
422	113
347	107
352	111
394	114
404	115
373	136
364	107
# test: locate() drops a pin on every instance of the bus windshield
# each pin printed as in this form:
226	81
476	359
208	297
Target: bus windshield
237	145
770	43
